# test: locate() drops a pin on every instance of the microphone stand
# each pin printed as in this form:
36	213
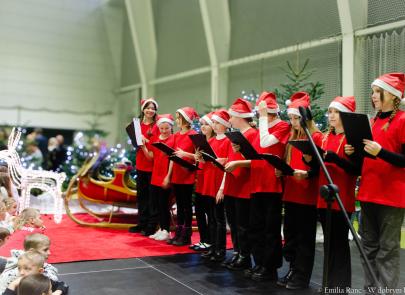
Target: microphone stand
330	192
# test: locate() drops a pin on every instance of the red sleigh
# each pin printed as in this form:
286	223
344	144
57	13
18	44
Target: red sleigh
115	193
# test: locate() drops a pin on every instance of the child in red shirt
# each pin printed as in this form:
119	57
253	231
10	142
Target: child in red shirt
237	187
266	192
159	192
212	181
181	178
201	204
343	171
300	197
144	165
382	187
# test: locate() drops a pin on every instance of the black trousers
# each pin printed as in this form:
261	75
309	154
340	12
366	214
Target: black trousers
265	229
300	235
237	212
339	269
217	222
161	213
380	231
183	193
202	211
230	212
143	197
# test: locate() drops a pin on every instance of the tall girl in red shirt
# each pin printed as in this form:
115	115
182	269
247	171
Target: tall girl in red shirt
343	171
201	201
266	192
144	165
382	188
212	182
237	188
300	198
160	192
181	178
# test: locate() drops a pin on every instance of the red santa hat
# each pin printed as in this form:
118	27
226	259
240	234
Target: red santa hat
394	83
188	113
165	118
298	99
207	118
222	117
241	109
271	102
145	101
344	104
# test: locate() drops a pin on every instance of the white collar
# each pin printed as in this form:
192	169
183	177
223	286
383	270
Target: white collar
220	136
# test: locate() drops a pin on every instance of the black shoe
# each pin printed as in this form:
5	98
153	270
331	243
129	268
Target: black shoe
147	232
282	282
185	238
231	260
208	254
177	235
218	256
294	284
135	229
241	264
265	274
250	271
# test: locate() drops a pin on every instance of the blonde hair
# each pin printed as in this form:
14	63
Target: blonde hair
299	134
34	241
35	257
25	216
397	103
9	202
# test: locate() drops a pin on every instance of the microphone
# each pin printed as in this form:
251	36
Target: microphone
303	113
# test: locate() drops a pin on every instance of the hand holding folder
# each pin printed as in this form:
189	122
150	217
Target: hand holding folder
208	158
305	147
357	127
170	152
249	152
200	142
134	132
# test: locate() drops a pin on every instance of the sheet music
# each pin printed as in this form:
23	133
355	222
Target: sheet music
138	131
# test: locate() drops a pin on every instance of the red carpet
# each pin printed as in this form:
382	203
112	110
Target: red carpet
71	242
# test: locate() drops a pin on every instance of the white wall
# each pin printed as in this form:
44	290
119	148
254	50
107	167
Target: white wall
56	55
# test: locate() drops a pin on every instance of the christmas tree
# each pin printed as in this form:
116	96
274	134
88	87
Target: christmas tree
299	81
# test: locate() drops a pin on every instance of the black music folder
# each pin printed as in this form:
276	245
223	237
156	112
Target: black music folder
278	163
208	158
249	152
357	127
134	132
305	147
170	152
246	149
200	142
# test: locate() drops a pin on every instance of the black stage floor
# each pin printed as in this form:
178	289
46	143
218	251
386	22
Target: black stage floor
183	274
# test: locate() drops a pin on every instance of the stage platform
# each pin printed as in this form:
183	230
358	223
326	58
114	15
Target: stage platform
184	274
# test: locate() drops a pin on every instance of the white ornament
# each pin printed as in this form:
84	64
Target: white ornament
27	179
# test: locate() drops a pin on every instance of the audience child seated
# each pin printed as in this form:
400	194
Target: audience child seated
36	284
33	242
32	262
11	207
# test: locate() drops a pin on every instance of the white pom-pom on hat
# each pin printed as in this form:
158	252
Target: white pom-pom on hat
288	102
